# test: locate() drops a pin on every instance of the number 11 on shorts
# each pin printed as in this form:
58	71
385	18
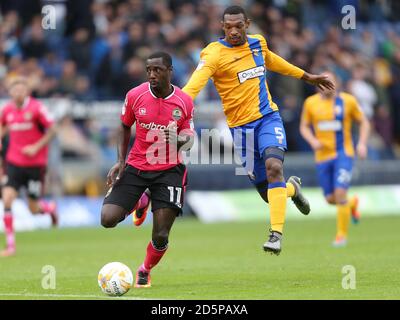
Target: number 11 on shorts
178	195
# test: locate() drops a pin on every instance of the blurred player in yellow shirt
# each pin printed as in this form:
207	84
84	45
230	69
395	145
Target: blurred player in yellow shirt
237	64
326	123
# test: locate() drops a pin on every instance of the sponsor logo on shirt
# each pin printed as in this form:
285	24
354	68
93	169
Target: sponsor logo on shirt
251	73
21	126
177	114
152	126
334	125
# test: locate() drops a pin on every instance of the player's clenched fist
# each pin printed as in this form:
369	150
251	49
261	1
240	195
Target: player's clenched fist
170	133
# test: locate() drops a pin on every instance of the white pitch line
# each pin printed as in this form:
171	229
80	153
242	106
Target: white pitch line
67	296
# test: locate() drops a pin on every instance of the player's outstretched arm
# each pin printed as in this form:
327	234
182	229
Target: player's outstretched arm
322	81
277	64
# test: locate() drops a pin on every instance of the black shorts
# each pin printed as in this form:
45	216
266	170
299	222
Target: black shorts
167	188
32	178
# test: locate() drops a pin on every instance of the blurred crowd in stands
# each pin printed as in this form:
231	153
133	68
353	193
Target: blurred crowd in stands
97	49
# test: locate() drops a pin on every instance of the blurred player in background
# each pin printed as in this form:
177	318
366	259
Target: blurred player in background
30	129
326	124
163	116
237	64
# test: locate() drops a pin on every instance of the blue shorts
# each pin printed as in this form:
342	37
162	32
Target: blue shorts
335	173
252	139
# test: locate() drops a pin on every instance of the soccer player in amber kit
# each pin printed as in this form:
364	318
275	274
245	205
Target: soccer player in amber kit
30	130
237	64
163	117
326	124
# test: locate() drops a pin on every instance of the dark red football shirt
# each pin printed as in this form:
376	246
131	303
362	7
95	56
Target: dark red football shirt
26	126
152	115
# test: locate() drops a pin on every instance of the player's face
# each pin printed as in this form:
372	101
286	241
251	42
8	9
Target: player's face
235	28
18	92
158	74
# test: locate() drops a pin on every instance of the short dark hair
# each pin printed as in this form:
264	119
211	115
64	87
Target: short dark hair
234	10
166	58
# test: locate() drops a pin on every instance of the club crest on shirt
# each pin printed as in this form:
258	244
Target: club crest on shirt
338	110
28	116
177	114
142	111
255	52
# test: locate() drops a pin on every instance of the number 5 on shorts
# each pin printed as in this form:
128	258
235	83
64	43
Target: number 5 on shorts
279	134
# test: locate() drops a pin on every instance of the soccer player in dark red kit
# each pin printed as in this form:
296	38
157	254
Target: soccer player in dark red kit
163	116
30	129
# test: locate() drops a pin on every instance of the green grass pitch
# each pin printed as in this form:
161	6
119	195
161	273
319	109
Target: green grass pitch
218	261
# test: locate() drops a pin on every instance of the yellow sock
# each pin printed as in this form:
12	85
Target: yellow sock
352	202
343	219
277	204
290	190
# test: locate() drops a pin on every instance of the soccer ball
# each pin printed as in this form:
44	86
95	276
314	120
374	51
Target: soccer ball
115	279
